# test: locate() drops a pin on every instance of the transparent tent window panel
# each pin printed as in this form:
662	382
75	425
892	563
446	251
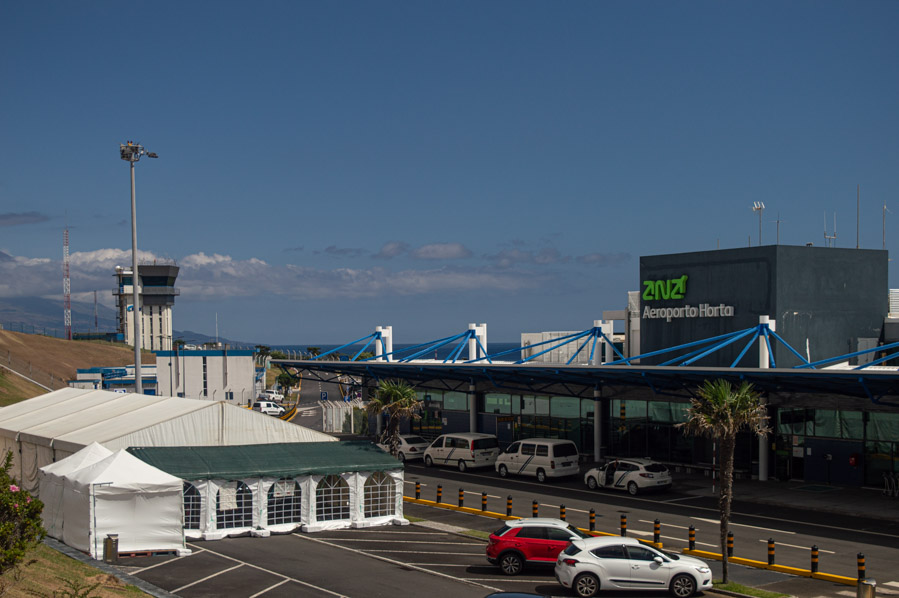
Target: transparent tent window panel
379	495
192	503
285	502
332	499
234	506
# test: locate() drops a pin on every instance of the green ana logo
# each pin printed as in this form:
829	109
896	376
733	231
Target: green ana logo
674	288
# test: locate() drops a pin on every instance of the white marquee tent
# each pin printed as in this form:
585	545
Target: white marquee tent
48	428
122	495
52	482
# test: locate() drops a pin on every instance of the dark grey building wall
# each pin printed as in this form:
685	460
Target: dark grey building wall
829	296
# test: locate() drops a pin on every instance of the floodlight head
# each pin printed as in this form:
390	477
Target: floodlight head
758	205
152	155
130	152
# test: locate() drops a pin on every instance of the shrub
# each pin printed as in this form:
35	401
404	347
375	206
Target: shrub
20	520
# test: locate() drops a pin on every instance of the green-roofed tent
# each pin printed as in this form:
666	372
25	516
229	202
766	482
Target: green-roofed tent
284	460
260	488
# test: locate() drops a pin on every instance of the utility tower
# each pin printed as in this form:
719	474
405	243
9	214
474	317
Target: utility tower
66	284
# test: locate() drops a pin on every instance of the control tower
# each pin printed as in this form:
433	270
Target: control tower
157	296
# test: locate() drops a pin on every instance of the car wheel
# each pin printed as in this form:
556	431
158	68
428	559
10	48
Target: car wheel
586	585
541	476
683	586
503	471
632	488
462	466
591	483
428	461
401	457
511	563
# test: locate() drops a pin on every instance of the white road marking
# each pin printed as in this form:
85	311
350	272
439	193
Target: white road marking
405	542
258	568
208	577
398	563
163	563
767	529
800	547
417	552
280	583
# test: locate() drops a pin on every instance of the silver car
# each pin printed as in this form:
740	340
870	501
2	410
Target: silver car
410	447
620	563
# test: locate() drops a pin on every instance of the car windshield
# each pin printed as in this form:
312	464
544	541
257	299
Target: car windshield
578	532
415	440
565	450
484	443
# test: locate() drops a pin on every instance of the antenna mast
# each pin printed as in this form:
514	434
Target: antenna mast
830	241
66	285
96	320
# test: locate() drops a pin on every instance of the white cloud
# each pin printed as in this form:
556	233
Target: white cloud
442	251
392	249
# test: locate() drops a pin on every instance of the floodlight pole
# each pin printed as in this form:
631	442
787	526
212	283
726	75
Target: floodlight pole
132	153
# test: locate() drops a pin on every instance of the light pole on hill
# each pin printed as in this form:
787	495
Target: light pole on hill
131	152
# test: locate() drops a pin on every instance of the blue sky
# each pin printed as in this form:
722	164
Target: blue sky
328	167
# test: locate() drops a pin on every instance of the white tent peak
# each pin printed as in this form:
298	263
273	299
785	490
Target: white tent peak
87	456
122	470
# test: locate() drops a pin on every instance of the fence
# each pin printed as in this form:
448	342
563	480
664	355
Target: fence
334	414
32	329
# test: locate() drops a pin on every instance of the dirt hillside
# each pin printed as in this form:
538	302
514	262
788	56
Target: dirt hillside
52	361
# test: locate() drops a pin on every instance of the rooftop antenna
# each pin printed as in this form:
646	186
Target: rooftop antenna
857	207
778	221
96	320
885	210
759	206
830	241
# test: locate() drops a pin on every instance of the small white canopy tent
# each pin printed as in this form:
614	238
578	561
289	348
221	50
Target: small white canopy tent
122	495
52	482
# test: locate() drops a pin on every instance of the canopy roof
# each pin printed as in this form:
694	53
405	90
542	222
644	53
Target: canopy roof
283	460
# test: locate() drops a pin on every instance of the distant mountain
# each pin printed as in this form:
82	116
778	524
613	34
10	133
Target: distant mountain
35	312
198	338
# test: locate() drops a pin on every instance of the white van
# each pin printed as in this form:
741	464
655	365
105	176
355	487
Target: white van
541	457
463	449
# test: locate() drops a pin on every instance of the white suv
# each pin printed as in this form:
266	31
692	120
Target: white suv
269	408
620	563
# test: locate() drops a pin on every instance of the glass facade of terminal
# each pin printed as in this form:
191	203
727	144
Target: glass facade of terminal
820	445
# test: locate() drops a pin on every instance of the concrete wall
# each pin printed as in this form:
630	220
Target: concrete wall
181	374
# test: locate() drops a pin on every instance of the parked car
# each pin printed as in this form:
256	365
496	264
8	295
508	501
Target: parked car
540	457
534	541
633	475
409	447
463	449
271	395
269	408
620	563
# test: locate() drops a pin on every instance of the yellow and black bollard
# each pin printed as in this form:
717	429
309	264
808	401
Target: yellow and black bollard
439	493
535	509
592	520
562	512
730	544
692	537
483	501
815	559
861	565
417	490
624	525
656	531
461	497
770	551
509	506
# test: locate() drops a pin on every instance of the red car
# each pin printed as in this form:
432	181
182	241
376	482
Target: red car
536	541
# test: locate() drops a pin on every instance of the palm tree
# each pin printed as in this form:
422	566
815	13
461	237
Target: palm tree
398	400
719	412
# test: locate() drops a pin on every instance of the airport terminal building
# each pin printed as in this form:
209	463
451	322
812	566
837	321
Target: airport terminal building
829	423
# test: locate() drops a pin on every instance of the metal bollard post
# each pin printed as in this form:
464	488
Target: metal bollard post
866	588
624	525
692	537
439	493
656	531
562	512
770	551
509	506
483	501
861	565
534	509
592	520
730	544
814	559
417	490
461	497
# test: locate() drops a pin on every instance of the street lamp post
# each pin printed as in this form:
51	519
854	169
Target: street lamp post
131	152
